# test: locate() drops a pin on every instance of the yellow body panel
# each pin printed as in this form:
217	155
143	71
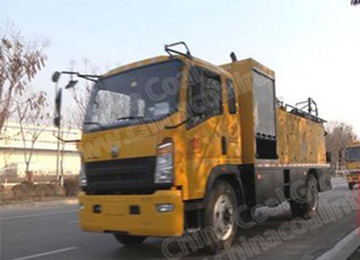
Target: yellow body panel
351	166
241	72
299	140
356	144
115	216
203	142
205	156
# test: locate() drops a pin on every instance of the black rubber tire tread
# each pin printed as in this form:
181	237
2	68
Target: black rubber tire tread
303	209
129	240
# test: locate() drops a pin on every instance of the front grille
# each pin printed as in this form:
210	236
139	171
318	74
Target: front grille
124	176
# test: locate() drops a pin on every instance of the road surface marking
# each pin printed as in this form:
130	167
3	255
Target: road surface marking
46	253
37	215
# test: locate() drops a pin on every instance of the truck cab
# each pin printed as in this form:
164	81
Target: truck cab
352	164
153	133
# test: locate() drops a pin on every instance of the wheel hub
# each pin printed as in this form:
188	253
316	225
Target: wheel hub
223	217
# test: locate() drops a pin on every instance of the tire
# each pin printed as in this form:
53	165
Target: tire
306	208
129	240
351	185
219	217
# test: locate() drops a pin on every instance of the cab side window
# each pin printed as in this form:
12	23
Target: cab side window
204	96
231	96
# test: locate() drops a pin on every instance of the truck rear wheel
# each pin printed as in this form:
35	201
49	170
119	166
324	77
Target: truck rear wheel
307	207
219	219
129	240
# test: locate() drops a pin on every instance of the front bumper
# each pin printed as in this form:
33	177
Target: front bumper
115	213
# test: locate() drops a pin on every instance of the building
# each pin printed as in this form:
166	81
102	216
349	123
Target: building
41	143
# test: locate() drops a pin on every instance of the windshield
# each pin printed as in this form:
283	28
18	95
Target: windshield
353	154
136	96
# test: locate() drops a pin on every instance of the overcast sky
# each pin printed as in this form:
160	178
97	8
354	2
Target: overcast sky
313	46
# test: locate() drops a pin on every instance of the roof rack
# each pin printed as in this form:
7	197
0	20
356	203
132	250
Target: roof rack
311	106
312	112
171	52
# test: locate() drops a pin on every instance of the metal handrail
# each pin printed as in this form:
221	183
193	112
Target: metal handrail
172	51
301	112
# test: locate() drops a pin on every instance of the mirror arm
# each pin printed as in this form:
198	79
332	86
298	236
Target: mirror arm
90	77
67	141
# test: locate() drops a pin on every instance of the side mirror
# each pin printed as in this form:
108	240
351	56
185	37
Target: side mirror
55	77
57	116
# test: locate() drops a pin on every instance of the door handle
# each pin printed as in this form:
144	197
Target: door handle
223	145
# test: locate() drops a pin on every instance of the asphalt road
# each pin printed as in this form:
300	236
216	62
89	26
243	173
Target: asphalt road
53	233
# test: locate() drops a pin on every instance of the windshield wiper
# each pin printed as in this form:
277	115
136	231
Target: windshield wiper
130	117
93	123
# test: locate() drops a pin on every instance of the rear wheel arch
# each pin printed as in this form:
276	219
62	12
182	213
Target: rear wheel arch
306	206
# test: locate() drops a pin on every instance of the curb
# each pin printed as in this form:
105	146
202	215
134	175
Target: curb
345	248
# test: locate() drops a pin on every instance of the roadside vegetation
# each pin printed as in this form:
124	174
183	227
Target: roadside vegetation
21	59
339	135
28	191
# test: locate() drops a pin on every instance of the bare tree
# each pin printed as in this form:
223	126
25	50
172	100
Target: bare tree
81	92
20	60
339	136
66	130
33	118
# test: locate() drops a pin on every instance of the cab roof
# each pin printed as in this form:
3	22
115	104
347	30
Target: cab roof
356	144
158	59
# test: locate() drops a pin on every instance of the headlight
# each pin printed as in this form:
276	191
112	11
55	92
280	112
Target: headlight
163	208
164	172
82	175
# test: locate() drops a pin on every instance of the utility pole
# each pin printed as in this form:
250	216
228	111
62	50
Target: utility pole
58	177
62	157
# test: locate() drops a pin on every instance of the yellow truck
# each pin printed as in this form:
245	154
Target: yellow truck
173	145
352	164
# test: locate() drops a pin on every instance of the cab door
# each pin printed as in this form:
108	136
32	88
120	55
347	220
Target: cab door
233	138
205	128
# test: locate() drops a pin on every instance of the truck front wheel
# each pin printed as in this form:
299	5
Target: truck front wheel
129	240
307	207
219	219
